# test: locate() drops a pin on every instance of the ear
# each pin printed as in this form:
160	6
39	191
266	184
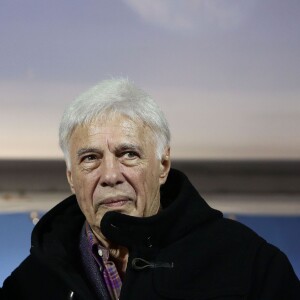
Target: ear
165	165
70	180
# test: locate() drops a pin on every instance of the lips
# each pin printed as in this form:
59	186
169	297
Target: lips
114	201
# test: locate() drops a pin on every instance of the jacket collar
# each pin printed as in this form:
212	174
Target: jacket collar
183	210
57	232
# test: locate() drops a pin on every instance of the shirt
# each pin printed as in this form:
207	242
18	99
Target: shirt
109	271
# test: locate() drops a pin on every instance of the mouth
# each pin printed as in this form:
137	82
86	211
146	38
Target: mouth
115	201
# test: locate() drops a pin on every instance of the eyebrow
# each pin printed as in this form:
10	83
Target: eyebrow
83	151
129	146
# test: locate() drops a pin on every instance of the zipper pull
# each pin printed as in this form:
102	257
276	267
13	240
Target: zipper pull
140	264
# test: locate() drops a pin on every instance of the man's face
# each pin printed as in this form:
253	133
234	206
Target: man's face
114	167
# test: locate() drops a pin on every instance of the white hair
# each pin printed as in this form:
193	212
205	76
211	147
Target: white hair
109	97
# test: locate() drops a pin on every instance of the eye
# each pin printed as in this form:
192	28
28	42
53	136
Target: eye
89	158
130	154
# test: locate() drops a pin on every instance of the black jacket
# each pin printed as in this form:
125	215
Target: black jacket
187	251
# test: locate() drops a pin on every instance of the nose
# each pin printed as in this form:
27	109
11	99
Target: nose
110	173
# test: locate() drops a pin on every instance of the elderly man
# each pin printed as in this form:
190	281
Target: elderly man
134	229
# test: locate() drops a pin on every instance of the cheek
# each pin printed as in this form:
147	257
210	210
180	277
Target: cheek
85	183
88	210
148	174
148	186
84	189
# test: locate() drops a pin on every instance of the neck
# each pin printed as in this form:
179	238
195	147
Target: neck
118	254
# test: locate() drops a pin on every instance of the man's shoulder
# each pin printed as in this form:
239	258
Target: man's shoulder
234	230
31	280
62	212
238	240
224	232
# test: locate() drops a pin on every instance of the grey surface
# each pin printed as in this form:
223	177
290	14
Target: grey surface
208	176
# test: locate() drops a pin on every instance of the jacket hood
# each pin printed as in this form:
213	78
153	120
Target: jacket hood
55	244
57	233
185	221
